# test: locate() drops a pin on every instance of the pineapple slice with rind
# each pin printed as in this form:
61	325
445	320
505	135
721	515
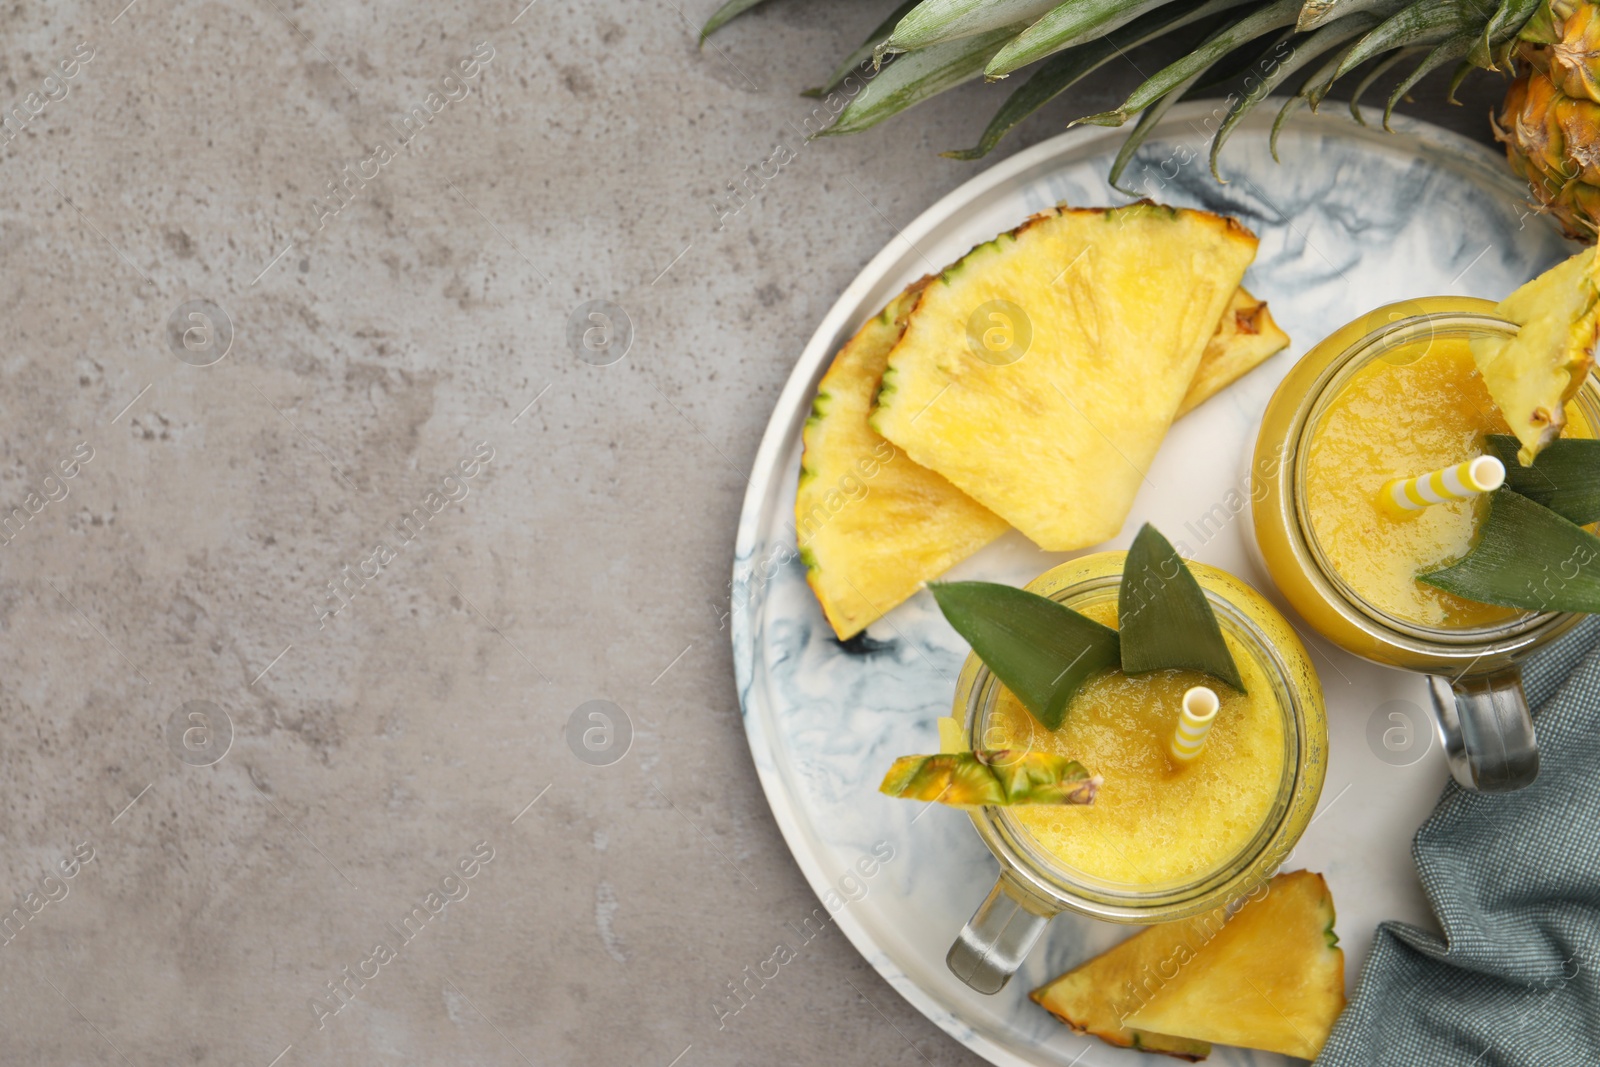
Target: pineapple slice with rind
1040	373
1246	336
872	526
1272	978
1531	376
991	776
1095	997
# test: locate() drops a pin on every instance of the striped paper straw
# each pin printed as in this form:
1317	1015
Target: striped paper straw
1406	496
1194	723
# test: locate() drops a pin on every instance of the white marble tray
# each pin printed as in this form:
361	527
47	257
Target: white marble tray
1354	218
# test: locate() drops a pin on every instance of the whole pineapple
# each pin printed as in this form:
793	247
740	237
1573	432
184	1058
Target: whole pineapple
1550	122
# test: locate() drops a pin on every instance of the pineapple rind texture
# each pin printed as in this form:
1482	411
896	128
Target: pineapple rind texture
1118	305
1550	119
991	776
1272	978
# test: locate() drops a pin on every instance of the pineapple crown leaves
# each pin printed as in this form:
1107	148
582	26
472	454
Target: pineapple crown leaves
1040	650
1532	550
1497	33
1447	51
866	53
1067	68
1428	22
1163	617
1511	565
1044	652
939	44
1315	44
1564	477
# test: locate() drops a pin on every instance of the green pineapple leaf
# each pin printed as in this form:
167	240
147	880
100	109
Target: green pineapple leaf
1506	21
956	40
1540	27
1067	69
1290	106
915	76
938	21
868	48
1381	68
724	15
1300	52
1163	616
1564	478
1273	16
1447	51
1319	79
1318	85
1083	21
1047	83
991	776
1465	67
1318	13
1143	128
1426	22
1064	26
1527	556
1040	650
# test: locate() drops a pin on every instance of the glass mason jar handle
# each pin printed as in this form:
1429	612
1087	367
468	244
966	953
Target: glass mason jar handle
995	940
1487	731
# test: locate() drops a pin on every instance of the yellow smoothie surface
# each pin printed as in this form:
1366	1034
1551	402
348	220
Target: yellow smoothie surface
1154	821
1416	409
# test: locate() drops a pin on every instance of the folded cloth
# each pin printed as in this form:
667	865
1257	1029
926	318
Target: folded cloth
1514	881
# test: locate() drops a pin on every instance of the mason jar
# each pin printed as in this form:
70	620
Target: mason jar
1480	709
1035	885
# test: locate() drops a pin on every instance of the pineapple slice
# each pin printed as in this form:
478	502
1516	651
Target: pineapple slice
1097	996
1245	337
1040	373
1271	979
872	526
991	776
1532	375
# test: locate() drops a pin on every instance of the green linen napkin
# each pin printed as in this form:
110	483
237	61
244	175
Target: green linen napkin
1514	882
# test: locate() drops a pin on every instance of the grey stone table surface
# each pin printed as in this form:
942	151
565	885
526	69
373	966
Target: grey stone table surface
318	532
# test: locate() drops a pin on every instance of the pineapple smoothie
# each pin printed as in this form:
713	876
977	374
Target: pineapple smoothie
1086	789
1422	406
1155	821
1398	394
